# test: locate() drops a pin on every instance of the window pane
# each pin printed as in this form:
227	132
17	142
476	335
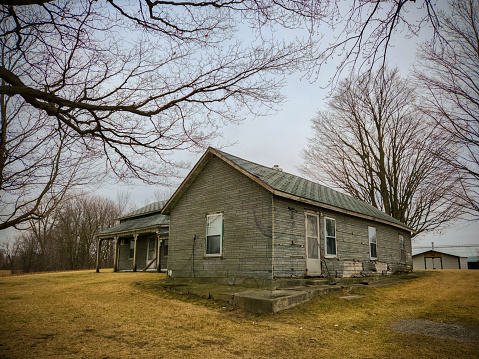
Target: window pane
313	248
373	250
312	228
372	234
151	249
330	227
331	245
213	244
214	224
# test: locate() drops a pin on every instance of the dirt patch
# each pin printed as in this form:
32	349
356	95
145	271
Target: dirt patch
438	330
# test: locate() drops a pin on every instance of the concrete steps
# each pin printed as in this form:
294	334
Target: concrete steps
273	301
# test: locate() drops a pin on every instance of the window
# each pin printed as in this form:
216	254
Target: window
132	249
165	248
402	249
372	243
330	236
214	234
151	249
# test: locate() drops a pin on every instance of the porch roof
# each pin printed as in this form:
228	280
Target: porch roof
147	219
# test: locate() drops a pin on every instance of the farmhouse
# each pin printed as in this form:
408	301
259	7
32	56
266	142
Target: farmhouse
141	240
237	220
445	257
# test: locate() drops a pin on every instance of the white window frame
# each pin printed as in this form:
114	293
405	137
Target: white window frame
214	234
326	236
373	239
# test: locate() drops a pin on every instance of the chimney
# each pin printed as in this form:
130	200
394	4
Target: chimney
276	167
432	245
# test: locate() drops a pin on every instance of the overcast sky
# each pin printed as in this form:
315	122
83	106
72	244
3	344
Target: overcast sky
279	138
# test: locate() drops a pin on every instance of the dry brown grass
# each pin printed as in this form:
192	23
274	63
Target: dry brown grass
107	315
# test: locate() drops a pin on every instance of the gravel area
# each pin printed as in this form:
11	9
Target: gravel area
438	330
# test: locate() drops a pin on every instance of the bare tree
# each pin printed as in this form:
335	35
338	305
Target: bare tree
39	158
65	238
78	222
129	82
376	146
365	31
132	81
9	252
449	78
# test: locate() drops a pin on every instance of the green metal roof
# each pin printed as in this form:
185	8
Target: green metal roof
287	185
151	208
465	250
308	190
145	219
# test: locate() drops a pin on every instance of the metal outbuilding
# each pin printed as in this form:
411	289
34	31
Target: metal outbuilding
444	257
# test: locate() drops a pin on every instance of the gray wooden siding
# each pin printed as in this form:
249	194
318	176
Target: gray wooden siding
351	237
289	238
246	208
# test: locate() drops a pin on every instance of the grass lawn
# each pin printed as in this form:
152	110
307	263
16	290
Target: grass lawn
110	315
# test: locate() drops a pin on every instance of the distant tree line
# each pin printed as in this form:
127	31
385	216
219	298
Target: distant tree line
65	238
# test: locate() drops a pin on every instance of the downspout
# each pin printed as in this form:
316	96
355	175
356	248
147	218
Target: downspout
272	236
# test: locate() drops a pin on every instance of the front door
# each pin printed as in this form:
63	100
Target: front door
151	252
313	260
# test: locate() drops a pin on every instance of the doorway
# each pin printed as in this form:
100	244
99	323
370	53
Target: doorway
313	258
432	263
151	252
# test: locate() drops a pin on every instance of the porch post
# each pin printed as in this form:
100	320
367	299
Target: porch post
160	245
98	249
135	237
158	257
117	250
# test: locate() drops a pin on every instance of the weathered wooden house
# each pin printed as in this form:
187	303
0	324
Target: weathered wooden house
141	240
238	220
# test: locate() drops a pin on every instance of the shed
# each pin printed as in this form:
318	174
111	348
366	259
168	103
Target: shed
141	239
444	257
238	220
473	262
